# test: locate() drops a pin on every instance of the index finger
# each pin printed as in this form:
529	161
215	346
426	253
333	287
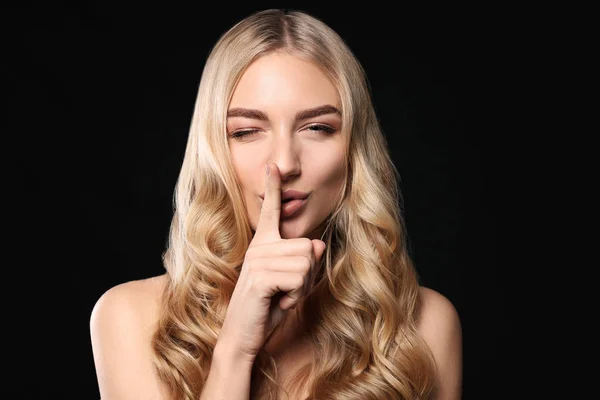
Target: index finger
268	221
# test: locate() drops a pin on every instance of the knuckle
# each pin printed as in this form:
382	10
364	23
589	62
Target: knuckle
254	264
252	251
258	280
299	280
249	263
306	245
305	263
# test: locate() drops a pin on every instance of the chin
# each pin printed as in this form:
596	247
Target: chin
293	228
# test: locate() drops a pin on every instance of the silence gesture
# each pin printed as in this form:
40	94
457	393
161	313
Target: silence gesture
271	265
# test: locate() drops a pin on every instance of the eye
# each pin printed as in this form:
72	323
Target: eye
249	132
239	134
321	128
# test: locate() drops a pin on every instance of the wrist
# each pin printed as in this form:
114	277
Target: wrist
227	357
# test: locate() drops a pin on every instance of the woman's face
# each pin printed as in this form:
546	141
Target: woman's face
289	111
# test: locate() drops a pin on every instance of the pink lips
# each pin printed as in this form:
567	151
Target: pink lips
293	194
290	194
291	207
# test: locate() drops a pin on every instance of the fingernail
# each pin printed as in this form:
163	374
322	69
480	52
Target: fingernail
268	169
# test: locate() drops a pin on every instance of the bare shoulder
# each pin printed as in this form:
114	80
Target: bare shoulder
122	323
436	310
134	304
139	297
440	326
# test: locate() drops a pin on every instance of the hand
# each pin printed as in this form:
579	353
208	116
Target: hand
272	266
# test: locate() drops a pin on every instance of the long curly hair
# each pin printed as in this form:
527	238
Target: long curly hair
361	313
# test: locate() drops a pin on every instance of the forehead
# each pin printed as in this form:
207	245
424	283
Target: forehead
283	80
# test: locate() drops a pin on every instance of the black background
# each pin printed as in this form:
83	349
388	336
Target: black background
103	97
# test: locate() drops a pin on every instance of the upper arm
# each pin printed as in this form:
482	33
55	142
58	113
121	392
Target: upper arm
440	327
121	327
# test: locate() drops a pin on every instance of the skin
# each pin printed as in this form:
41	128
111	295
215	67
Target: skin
123	319
309	153
279	85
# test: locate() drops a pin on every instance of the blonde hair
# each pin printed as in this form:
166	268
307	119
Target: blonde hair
365	299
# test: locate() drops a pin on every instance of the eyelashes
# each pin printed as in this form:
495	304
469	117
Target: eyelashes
316	127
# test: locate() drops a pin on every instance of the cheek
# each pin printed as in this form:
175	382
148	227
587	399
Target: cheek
247	174
331	169
243	167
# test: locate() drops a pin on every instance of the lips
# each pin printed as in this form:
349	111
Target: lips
292	207
289	195
293	195
292	202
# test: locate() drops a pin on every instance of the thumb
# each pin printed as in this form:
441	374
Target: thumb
318	248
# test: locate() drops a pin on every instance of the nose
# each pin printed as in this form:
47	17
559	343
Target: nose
285	152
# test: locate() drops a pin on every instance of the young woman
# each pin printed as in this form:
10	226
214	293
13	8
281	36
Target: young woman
294	281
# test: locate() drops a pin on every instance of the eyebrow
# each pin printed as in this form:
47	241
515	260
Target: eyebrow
301	115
